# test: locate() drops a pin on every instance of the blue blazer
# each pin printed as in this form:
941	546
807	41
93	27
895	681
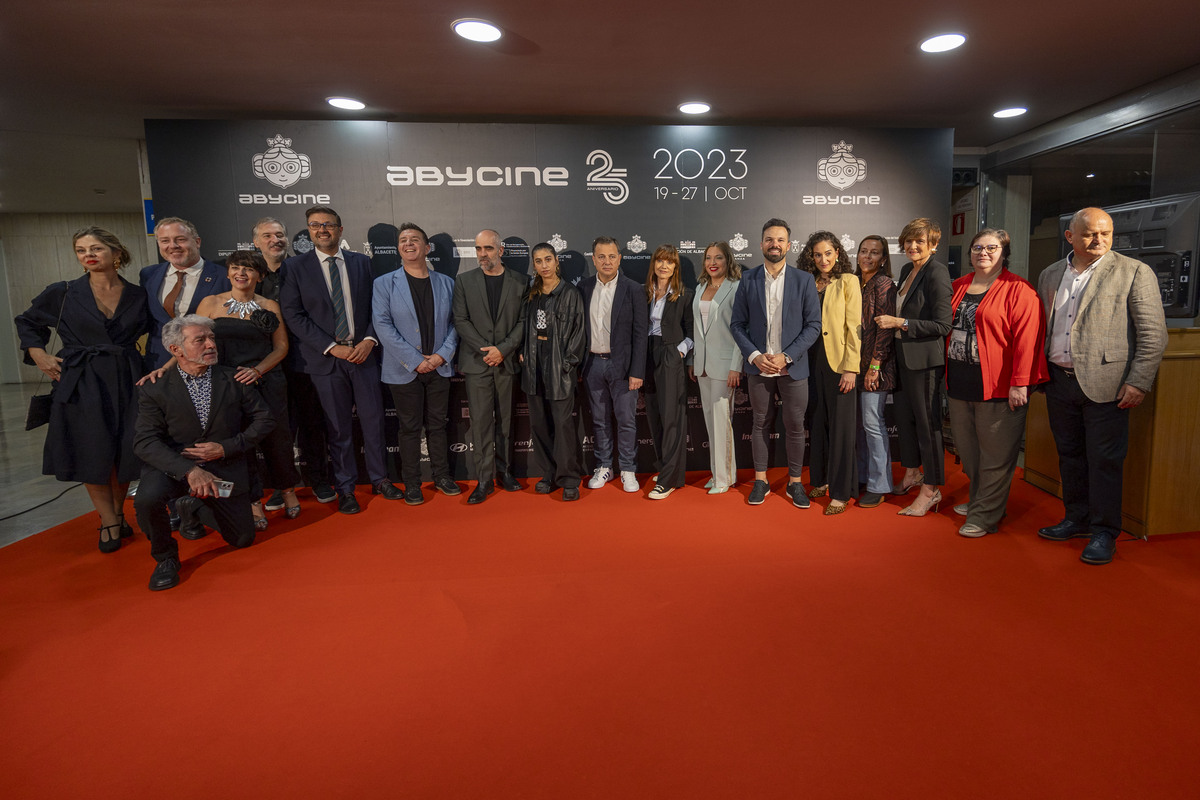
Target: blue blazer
214	279
801	318
630	325
399	332
308	309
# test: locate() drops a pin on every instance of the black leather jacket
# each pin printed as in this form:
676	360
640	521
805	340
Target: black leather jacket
568	341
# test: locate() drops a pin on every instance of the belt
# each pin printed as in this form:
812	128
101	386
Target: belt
1069	372
602	355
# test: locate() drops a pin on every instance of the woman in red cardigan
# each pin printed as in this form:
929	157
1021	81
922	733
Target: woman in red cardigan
995	354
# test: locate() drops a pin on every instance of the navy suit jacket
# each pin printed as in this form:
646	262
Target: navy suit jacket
307	309
630	325
214	279
801	318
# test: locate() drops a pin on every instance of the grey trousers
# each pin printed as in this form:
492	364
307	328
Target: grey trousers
490	401
794	397
988	437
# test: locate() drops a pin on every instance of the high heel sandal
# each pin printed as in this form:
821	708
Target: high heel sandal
819	491
831	509
260	521
904	487
113	543
291	508
916	509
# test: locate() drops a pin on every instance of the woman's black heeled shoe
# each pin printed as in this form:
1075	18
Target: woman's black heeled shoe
113	543
126	530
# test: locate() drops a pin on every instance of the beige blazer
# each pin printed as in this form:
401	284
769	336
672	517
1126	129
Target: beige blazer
1120	332
715	353
841	323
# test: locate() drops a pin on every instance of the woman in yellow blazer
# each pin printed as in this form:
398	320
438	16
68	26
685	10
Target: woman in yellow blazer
833	363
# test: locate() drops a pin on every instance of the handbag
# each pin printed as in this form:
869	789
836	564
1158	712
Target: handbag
40	404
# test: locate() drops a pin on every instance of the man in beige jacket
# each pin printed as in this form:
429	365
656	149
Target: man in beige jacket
1105	338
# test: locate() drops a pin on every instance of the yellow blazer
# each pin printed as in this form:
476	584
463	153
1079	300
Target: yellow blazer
841	323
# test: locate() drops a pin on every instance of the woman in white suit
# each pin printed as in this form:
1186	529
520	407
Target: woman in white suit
716	361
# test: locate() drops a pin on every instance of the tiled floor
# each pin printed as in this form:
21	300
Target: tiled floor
29	501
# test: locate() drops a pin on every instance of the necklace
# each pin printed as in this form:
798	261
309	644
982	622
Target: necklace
241	308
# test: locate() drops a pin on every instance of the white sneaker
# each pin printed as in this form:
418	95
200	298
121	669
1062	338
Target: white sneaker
961	509
629	481
601	476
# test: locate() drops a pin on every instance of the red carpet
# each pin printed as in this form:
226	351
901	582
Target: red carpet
610	648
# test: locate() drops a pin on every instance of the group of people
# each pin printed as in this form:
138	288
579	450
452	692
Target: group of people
269	353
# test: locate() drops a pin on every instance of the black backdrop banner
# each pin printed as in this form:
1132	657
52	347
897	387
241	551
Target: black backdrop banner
684	185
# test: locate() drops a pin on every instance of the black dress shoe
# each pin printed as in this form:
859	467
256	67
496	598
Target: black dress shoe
571	493
412	494
324	493
388	490
799	496
165	575
347	504
446	486
482	490
544	486
1063	531
508	483
174	521
1100	549
758	492
190	526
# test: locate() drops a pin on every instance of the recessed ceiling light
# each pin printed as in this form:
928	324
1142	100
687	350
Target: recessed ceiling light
1090	175
943	42
477	30
1005	113
348	103
695	107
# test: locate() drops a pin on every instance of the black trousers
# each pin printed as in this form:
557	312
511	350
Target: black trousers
490	400
666	410
423	403
918	407
307	423
232	515
1092	439
832	434
555	440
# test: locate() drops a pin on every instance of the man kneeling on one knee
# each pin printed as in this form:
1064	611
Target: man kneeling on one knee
196	431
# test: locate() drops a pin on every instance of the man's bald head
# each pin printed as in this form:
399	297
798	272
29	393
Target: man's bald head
488	249
1090	235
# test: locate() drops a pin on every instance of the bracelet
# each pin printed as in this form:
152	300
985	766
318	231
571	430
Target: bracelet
875	367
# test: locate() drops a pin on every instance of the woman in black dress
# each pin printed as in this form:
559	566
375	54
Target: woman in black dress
99	318
252	339
553	349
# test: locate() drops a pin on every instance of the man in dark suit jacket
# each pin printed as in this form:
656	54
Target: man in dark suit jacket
196	426
177	285
326	303
1101	365
776	318
487	316
618	321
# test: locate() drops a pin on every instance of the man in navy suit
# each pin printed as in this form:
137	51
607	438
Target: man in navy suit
177	285
326	303
617	323
414	319
776	318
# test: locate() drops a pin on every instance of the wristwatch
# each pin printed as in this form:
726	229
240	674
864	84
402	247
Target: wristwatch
904	325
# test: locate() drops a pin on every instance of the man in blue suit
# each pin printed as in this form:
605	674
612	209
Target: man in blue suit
177	285
414	320
326	303
776	318
617	323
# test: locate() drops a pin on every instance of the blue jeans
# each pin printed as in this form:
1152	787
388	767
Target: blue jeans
609	395
874	447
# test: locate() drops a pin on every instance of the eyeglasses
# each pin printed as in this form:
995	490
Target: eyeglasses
323	226
981	248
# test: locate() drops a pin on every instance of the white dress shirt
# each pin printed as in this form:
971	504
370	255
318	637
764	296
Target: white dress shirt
191	280
1066	309
774	289
601	315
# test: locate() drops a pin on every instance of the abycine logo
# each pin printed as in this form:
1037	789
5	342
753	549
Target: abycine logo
636	244
842	170
607	179
281	165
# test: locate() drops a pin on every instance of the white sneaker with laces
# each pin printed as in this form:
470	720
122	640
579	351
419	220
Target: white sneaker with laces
601	476
629	481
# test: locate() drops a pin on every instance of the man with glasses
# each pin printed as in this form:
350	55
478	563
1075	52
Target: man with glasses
326	303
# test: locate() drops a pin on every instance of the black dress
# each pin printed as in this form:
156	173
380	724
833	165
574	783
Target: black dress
245	343
94	409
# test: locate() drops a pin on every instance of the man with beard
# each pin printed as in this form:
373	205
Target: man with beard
196	428
776	318
487	316
326	304
304	407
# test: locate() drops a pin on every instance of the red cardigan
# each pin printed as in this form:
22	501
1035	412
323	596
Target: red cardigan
1010	329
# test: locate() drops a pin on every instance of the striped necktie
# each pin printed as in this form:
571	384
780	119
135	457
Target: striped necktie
341	324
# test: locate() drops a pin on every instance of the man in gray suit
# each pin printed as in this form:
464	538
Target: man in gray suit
487	316
1105	338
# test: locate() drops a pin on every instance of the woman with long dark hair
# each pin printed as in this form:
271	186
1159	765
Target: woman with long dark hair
833	364
877	377
665	389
